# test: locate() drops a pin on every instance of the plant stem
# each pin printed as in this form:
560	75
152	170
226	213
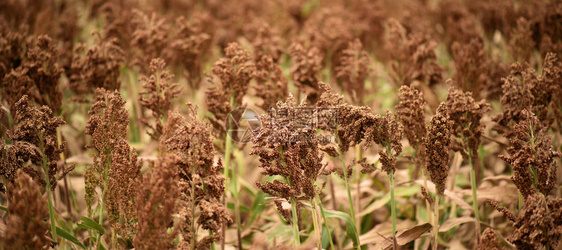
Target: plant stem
227	158
474	197
392	204
475	204
317	228
98	241
349	198
237	204
319	202
436	222
48	189
359	156
193	229
346	181
51	209
296	233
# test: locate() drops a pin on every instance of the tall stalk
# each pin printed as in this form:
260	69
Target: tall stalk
319	202
48	188
392	204
474	200
436	222
349	198
474	196
227	161
296	233
317	228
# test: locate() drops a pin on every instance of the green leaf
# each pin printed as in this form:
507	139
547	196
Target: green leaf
67	236
88	223
325	238
243	209
398	192
350	228
257	207
4	208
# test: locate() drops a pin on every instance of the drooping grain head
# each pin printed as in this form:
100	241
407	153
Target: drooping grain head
489	240
35	137
465	114
157	95
201	183
472	66
437	147
352	70
524	89
234	71
412	56
289	149
410	112
271	86
27	208
539	223
305	69
189	46
149	37
532	157
155	204
122	184
97	67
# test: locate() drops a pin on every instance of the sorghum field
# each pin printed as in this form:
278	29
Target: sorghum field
280	124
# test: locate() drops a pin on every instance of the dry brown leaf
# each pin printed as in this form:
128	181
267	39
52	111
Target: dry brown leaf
501	194
498	178
452	195
406	236
453	222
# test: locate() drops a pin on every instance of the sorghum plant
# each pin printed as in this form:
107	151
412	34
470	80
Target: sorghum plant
189	45
35	137
116	166
412	56
532	157
465	115
157	95
288	148
235	72
524	89
271	86
201	184
352	70
437	146
305	70
97	67
155	205
27	208
410	112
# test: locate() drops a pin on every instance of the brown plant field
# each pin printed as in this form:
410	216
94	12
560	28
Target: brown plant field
280	124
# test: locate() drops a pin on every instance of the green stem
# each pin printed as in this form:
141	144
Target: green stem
359	155
193	228
98	241
474	197
317	228
392	204
349	198
48	189
237	204
296	233
436	222
51	209
319	202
